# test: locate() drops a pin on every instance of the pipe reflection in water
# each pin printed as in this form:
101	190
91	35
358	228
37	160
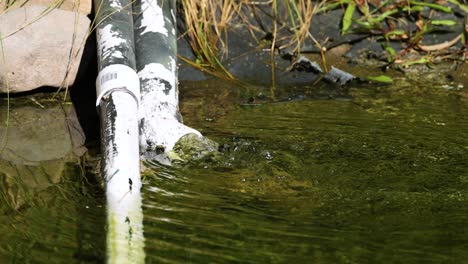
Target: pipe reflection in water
125	240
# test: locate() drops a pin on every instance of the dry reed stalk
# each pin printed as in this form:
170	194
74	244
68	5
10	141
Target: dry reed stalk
206	21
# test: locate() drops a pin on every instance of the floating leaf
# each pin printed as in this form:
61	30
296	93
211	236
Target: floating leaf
380	79
444	22
348	16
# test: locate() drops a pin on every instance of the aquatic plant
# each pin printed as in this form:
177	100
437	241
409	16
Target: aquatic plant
407	22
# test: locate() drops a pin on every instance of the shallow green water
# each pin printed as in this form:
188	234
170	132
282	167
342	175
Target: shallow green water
375	175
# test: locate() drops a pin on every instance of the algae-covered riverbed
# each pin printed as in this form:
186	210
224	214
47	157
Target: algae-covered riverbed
372	174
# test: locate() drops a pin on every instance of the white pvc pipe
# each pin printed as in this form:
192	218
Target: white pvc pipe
118	94
156	62
159	107
121	170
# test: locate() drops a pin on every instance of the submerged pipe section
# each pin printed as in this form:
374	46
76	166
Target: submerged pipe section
156	63
118	95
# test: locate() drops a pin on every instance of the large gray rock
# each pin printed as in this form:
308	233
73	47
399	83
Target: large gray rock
41	49
82	6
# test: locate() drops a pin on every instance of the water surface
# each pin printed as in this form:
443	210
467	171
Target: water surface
370	174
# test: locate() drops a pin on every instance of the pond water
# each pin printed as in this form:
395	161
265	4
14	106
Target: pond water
366	174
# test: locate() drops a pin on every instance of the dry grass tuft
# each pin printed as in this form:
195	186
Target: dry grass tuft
207	21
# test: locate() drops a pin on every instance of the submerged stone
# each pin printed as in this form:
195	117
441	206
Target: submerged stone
38	138
338	76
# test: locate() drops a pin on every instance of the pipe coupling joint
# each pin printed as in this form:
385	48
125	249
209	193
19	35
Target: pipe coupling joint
117	77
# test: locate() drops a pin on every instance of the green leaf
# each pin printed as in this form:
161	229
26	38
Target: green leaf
380	79
396	32
365	24
390	51
364	9
383	16
413	9
423	60
333	5
348	16
443	22
442	8
460	5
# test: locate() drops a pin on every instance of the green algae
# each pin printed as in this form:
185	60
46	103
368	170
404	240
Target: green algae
193	148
